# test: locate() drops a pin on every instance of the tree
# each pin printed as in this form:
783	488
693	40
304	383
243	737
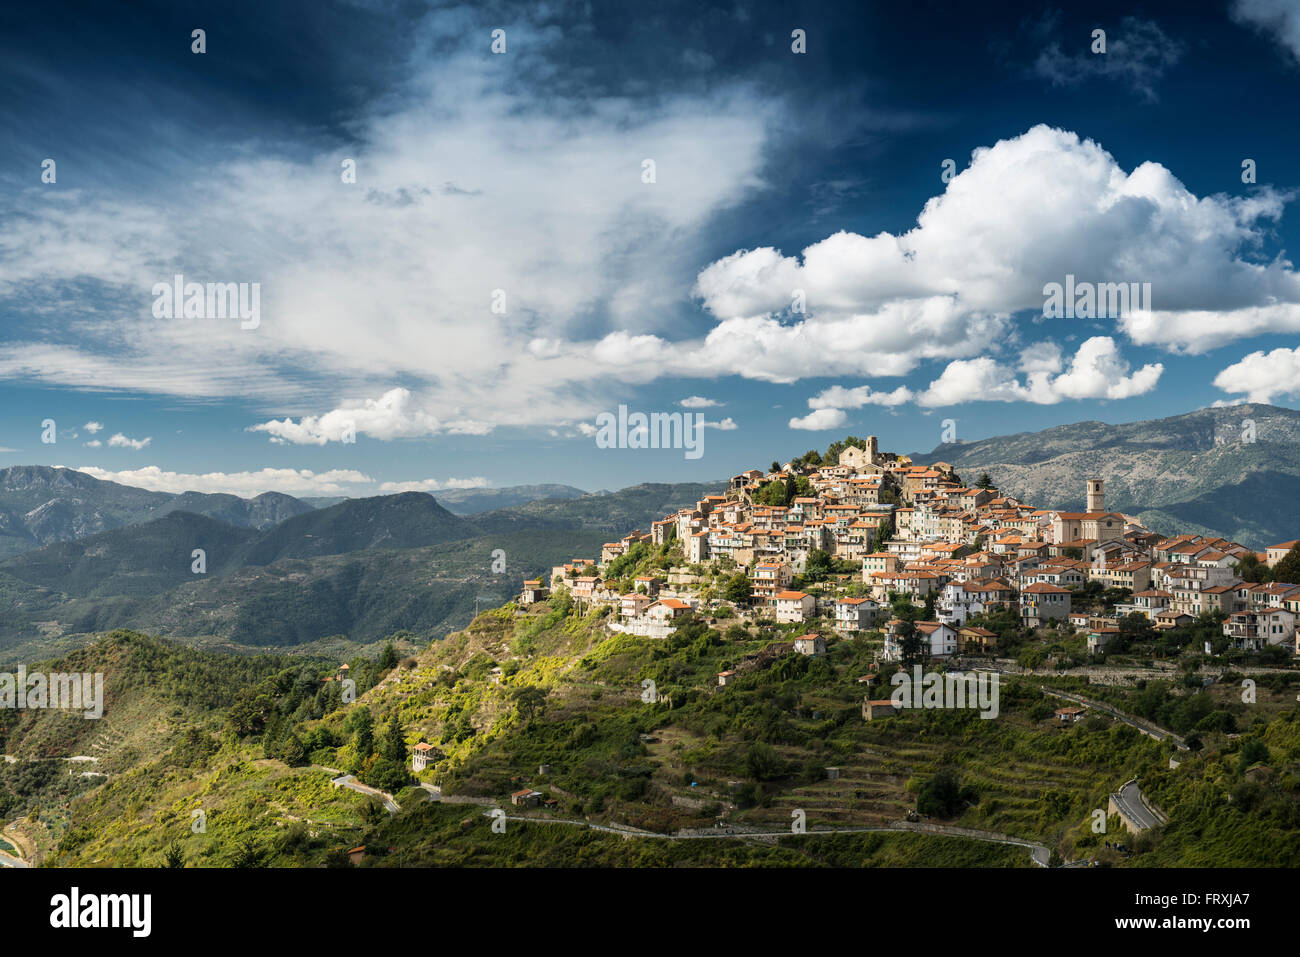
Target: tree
530	700
173	856
1251	569
394	744
985	482
1134	628
776	466
763	763
1253	751
363	732
294	753
738	588
388	657
1288	568
817	566
882	533
914	646
775	493
944	796
931	599
388	775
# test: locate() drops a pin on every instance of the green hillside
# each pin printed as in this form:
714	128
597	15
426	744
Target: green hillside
750	755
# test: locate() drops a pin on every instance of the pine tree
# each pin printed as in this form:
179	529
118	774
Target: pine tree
394	744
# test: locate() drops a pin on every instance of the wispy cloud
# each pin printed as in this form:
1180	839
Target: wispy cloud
120	441
245	484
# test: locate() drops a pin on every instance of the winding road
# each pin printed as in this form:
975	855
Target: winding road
1038	853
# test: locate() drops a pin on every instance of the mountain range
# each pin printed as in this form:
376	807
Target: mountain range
79	555
40	505
348	574
1232	471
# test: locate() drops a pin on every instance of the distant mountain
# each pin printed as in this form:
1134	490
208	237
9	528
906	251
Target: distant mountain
361	569
406	520
614	513
136	559
40	505
1231	471
471	501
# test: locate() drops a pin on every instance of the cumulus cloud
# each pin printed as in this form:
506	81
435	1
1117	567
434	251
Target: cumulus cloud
698	402
1026	212
391	416
93	427
838	397
1279	18
726	425
820	420
1096	371
1262	376
121	441
244	484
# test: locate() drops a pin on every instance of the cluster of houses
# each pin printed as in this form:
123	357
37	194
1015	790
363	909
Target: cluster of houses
916	530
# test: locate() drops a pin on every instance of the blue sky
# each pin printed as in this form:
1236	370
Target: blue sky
777	176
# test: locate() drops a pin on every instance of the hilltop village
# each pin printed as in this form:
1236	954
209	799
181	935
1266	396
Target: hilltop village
869	541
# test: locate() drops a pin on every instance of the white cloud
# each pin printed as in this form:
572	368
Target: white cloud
1263	375
726	425
386	298
838	397
1197	331
245	484
93	444
467	182
391	416
433	485
1281	18
93	427
698	402
1096	371
121	441
820	420
1026	212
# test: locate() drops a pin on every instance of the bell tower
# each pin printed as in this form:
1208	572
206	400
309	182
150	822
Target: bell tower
1096	499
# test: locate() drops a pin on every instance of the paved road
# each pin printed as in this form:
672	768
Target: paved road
1129	800
1143	725
352	784
1037	852
7	860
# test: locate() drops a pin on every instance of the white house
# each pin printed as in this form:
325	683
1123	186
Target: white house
855	614
810	644
941	636
793	606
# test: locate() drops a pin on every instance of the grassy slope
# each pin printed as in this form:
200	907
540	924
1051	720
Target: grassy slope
1034	778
